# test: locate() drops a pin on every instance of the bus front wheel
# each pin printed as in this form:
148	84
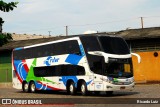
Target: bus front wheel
25	87
32	87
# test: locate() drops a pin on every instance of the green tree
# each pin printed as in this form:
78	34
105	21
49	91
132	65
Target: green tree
5	7
5	38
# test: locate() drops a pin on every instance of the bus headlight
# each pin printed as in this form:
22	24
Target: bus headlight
110	79
131	80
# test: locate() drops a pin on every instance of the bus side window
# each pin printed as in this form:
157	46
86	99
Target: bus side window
96	63
72	70
80	70
66	47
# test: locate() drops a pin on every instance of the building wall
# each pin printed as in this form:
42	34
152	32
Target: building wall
27	36
149	68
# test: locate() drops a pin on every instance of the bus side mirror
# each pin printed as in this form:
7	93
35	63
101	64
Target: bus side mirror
98	53
138	57
95	53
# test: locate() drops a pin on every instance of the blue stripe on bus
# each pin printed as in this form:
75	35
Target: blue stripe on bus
18	48
73	59
82	50
19	66
64	79
40	86
89	82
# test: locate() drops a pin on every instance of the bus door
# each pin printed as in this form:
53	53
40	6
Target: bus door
96	65
97	78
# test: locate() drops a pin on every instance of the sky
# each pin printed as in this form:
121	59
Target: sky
42	17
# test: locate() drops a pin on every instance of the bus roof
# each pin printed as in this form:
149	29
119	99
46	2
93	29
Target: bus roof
72	37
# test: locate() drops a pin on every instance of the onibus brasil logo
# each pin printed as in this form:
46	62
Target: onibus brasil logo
51	60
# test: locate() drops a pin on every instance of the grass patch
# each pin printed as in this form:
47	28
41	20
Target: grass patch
5	66
6	72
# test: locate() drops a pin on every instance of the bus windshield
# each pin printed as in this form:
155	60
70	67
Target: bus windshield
119	68
113	45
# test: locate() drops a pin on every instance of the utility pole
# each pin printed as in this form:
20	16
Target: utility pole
142	22
49	33
66	30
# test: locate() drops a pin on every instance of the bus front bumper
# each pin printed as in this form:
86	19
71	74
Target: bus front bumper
113	87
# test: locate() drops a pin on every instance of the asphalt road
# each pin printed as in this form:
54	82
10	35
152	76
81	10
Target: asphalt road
141	92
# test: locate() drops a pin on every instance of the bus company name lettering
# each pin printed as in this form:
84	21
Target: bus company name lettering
51	60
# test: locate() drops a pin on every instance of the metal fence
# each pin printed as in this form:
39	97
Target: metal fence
145	45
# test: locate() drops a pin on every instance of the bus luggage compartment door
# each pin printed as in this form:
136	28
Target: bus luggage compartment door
98	83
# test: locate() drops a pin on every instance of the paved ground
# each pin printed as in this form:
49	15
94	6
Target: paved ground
141	91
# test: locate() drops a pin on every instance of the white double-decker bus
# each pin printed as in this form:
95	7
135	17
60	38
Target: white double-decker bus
85	63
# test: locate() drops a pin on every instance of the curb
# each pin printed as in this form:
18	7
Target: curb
6	85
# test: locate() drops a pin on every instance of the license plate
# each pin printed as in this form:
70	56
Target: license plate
122	88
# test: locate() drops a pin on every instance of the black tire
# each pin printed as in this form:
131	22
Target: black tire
84	90
109	93
32	87
25	87
71	88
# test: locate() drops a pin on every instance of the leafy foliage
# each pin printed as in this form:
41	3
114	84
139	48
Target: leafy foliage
5	38
6	7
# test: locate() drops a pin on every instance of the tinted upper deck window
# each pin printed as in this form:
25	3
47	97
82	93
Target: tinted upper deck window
66	47
90	43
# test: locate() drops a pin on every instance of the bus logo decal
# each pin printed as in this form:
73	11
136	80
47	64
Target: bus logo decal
98	86
51	60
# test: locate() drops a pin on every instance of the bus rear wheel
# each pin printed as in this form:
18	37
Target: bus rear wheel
32	87
25	87
84	90
71	88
